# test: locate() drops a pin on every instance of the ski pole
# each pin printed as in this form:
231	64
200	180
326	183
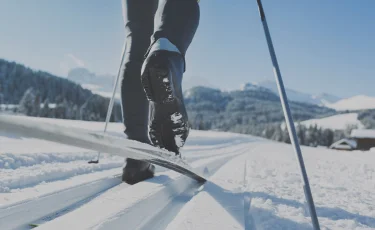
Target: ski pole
111	102
289	120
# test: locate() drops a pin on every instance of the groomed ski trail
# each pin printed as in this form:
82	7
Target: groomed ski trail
46	207
20	215
39	210
260	189
151	203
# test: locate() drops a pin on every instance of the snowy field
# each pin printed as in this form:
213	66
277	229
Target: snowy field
336	122
353	103
253	184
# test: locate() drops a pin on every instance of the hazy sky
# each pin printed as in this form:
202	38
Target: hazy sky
322	46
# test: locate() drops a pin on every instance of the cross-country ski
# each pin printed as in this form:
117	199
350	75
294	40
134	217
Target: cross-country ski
96	142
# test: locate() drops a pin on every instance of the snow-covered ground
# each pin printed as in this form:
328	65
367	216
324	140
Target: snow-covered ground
253	184
353	103
336	122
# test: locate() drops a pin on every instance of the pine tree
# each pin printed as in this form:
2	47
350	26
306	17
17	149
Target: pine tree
27	104
45	110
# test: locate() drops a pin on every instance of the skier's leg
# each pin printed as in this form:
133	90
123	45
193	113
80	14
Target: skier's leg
176	22
139	20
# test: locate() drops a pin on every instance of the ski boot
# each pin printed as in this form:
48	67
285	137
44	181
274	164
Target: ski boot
161	77
136	171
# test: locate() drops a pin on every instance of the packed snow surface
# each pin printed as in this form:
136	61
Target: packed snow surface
353	103
336	122
253	184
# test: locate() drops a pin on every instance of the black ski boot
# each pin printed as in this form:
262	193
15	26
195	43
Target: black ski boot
136	171
161	78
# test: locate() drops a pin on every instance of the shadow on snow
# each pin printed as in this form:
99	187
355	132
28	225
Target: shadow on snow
239	206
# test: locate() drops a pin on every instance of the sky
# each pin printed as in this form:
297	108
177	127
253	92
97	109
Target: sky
322	46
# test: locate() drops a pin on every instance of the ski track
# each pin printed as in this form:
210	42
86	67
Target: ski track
47	207
50	168
169	200
15	161
142	206
40	210
44	173
20	171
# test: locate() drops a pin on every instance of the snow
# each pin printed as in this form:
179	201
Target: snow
8	106
50	105
42	173
336	122
345	143
353	103
295	95
363	133
15	161
253	184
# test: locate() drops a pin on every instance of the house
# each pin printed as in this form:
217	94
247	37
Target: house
344	144
365	138
360	139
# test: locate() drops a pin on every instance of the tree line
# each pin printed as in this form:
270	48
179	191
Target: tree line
39	93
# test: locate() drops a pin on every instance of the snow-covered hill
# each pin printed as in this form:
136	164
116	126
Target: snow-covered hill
337	122
98	84
253	184
353	103
294	95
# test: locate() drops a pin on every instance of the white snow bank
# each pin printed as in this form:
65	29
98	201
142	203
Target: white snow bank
43	173
14	161
337	122
354	103
8	106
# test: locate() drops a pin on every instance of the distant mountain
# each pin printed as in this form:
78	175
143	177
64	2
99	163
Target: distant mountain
294	95
99	84
248	110
103	84
252	86
326	98
360	102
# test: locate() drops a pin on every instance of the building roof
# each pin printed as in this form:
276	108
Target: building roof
363	133
344	144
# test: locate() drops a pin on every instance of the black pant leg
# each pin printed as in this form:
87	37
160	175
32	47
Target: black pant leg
139	25
177	20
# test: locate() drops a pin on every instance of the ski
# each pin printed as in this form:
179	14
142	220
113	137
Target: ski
34	128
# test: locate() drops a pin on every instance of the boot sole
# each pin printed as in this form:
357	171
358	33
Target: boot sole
156	82
168	125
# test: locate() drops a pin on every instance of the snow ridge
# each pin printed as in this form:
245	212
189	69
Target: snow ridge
15	161
44	173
